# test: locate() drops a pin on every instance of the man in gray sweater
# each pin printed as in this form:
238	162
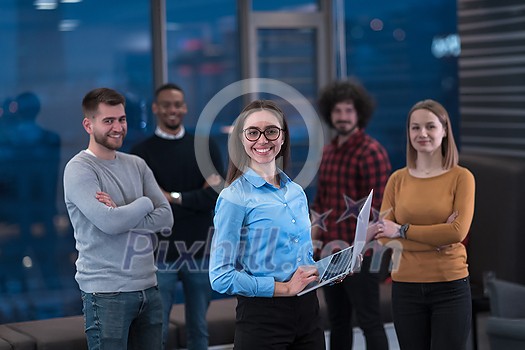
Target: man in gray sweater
115	206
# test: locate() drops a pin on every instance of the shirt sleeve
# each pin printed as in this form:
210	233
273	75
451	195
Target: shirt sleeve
375	169
317	203
225	274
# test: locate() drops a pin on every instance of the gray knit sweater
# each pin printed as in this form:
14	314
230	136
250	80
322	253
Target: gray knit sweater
115	245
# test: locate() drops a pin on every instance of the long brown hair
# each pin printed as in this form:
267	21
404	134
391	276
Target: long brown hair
449	150
239	160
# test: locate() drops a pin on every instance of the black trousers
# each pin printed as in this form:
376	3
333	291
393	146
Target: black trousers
359	292
432	315
285	323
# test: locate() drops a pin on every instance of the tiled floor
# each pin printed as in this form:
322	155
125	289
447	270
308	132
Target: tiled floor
483	340
359	340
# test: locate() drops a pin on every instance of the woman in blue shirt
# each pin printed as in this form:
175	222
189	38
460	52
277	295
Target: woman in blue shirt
262	249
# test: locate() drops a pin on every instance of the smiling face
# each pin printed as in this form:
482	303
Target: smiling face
426	132
262	151
107	128
170	109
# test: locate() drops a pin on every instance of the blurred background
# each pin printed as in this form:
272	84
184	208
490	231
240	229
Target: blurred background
467	54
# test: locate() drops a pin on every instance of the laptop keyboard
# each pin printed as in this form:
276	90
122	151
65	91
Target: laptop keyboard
338	264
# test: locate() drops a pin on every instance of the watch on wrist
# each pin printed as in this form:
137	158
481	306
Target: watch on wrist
176	196
403	231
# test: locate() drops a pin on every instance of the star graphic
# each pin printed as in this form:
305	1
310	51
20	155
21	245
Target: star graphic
319	219
352	208
379	216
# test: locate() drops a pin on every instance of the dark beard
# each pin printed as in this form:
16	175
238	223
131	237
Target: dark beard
102	140
346	132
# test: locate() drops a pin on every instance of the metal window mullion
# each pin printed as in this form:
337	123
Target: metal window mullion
159	42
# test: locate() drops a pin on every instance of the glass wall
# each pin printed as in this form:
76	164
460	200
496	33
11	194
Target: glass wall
54	51
403	52
203	57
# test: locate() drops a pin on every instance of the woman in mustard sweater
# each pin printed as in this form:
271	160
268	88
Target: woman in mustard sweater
430	204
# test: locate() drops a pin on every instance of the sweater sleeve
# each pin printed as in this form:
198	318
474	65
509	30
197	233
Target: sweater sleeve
81	183
388	206
448	233
161	216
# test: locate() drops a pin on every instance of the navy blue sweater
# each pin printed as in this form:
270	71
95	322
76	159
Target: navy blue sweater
175	168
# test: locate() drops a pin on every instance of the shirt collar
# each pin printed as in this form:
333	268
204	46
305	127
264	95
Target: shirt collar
257	181
88	151
166	136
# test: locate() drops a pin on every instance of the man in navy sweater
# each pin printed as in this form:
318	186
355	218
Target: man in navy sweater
170	154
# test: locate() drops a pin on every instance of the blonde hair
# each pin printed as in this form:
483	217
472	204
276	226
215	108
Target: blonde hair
449	150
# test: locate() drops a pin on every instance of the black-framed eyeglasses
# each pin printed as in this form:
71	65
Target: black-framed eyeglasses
271	133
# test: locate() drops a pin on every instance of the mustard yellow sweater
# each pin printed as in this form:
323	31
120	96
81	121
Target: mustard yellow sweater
433	251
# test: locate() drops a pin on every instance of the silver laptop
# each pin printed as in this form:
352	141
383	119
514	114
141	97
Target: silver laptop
343	262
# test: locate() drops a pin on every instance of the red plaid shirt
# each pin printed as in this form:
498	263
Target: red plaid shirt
346	176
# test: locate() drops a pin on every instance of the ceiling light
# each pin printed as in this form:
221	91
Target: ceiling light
68	25
45	4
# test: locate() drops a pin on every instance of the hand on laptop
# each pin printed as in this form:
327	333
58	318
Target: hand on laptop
301	278
359	262
339	280
374	229
357	268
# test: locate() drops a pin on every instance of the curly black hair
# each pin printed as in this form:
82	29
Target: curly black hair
348	90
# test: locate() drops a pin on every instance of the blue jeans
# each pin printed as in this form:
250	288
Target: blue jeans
432	315
197	296
123	320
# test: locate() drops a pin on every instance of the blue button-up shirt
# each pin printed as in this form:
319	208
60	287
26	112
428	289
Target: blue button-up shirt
262	234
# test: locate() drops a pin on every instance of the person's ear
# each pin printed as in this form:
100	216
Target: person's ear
88	126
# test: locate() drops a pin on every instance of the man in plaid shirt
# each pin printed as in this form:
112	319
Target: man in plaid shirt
352	164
